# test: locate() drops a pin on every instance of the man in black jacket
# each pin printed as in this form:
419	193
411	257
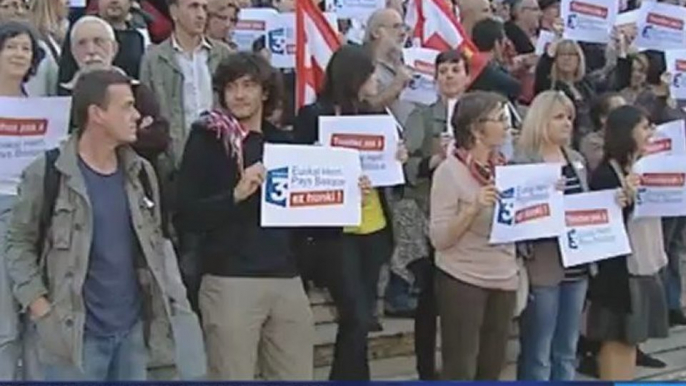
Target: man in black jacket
489	37
252	301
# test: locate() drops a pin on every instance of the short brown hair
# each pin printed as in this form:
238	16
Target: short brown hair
92	88
452	56
471	109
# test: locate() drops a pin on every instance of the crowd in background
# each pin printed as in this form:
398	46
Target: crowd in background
168	127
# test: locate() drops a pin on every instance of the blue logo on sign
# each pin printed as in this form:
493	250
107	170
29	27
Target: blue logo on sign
277	187
506	206
277	41
572	241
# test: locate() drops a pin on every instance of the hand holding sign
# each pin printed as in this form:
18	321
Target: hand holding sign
402	155
252	179
488	196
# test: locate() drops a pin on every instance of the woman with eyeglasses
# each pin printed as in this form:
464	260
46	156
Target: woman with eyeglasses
550	323
19	58
563	67
628	304
476	281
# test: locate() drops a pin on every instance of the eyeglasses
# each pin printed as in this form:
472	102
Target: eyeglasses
501	119
398	27
224	18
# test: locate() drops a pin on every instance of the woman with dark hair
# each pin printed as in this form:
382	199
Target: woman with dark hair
19	58
628	304
591	146
427	134
476	281
351	257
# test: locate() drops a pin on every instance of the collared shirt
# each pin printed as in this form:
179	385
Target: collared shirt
197	80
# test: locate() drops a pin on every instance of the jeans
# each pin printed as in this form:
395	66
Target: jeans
675	245
398	296
352	278
118	357
549	331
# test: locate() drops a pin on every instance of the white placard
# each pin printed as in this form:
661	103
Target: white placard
349	9
662	192
661	26
311	186
627	19
449	117
77	3
669	139
594	228
530	206
589	20
544	40
29	127
422	87
676	65
376	138
252	25
280	37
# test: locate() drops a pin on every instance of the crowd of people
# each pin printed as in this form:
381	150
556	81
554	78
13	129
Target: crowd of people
168	126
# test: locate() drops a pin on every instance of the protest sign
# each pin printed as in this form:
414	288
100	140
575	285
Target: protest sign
77	3
280	37
669	139
661	26
422	87
662	192
376	138
530	206
354	9
544	40
251	25
29	127
589	20
594	228
626	23
311	186
676	65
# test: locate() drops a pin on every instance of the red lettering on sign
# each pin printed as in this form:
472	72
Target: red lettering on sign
589	9
532	213
575	218
250	25
361	142
23	127
424	67
659	145
681	65
323	198
665	21
663	179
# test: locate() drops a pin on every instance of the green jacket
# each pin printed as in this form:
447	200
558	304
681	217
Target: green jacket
64	265
422	135
161	73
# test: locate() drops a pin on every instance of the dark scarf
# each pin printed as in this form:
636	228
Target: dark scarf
484	174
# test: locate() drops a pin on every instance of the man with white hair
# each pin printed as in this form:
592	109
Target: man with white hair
93	46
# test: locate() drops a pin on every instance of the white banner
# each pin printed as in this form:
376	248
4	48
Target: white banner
29	127
280	37
589	20
662	192
252	25
669	139
676	65
530	205
376	138
422	87
544	40
311	186
594	228
661	26
354	9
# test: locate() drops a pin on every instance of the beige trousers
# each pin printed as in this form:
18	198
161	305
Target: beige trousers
257	326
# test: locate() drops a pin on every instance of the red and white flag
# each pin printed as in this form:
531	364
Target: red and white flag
434	25
316	41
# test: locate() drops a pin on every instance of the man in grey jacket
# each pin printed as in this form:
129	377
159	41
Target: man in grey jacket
100	279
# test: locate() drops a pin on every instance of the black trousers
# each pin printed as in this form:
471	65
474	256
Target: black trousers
425	318
353	275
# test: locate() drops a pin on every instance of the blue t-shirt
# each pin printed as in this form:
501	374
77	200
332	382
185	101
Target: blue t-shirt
111	290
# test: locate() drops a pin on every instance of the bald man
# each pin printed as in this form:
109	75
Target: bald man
222	16
472	12
386	32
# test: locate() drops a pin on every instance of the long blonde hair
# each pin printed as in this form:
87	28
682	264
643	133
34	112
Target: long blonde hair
534	133
581	68
45	16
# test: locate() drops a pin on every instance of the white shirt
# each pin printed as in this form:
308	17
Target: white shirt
197	81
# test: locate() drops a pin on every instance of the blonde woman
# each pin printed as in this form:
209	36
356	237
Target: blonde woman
549	326
563	67
51	20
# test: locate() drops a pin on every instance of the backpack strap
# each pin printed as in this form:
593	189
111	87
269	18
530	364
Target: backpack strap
51	186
